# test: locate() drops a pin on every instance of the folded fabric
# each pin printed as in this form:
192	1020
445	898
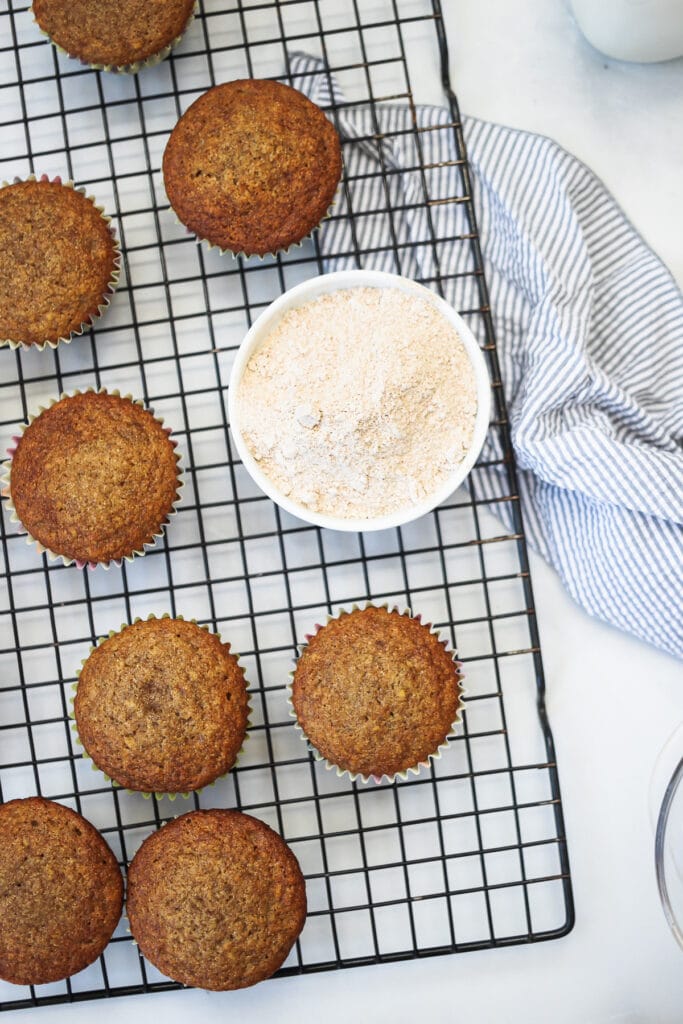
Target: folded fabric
589	327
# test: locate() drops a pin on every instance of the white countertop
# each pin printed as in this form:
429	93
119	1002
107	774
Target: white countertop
612	701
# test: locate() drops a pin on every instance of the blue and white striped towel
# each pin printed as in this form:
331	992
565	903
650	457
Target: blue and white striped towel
589	326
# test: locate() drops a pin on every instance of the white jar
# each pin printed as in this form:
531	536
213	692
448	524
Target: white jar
637	30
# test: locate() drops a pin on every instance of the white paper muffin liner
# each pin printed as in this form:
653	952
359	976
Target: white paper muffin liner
117	785
126	69
404	774
111	285
6	485
256	256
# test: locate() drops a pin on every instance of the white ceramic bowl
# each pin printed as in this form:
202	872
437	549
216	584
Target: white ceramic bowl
306	292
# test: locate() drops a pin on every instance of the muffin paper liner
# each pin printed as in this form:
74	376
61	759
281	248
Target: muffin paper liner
256	256
6	485
86	757
105	301
413	769
126	69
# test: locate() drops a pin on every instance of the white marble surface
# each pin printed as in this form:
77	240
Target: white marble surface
613	701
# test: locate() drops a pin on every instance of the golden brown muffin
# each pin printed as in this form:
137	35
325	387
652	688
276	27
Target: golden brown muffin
252	166
216	899
162	706
61	892
94	477
110	34
58	261
375	692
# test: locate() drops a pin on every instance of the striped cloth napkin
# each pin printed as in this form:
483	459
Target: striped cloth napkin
589	326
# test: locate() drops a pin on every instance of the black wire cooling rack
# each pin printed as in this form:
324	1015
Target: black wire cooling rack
469	855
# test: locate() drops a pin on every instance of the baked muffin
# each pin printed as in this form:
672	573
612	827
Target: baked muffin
59	262
216	899
123	36
376	692
252	166
61	892
162	706
93	478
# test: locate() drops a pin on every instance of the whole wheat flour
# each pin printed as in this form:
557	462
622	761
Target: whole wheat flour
359	403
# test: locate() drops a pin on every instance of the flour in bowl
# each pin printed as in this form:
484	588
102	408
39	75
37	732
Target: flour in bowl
360	403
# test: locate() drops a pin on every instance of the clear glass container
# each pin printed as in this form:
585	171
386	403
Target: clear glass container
666	806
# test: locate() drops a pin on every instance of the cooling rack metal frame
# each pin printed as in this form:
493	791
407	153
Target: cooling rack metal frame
469	855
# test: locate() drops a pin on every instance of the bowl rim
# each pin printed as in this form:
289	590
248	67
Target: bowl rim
338	281
661	837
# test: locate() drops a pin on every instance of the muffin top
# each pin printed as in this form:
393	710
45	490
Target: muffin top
376	692
216	899
162	706
94	477
101	32
61	892
57	257
252	166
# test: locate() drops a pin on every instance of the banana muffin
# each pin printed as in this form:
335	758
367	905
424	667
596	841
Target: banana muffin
59	262
216	899
93	478
61	892
121	36
252	166
376	692
162	706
